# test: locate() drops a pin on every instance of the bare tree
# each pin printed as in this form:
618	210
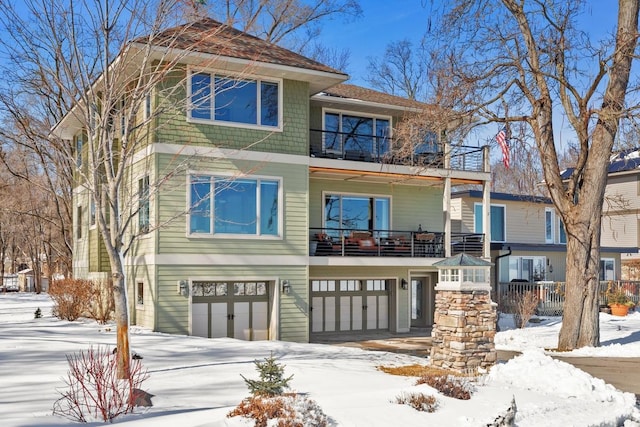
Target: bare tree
527	62
401	71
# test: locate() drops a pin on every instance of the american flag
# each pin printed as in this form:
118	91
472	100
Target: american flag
501	139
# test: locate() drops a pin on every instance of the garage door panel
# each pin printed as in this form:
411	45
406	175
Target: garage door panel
345	313
356	306
219	321
383	312
260	320
241	329
317	314
330	314
200	320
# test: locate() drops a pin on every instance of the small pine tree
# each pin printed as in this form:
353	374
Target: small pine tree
271	382
37	314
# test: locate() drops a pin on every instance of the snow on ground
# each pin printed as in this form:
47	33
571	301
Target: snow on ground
196	381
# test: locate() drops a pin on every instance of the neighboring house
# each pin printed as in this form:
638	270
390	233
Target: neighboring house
528	241
302	220
621	210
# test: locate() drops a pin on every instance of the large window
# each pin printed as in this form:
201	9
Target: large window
347	133
241	101
562	235
241	206
498	223
354	212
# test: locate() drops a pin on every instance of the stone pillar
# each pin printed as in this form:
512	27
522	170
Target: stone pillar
464	330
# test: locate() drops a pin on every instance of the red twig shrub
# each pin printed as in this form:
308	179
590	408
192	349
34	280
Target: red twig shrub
93	390
71	298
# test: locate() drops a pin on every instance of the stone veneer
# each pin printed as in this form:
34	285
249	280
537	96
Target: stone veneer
464	330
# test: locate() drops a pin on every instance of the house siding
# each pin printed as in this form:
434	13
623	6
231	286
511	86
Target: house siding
621	211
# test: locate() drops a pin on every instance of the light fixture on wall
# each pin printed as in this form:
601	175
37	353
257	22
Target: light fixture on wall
286	287
183	287
404	284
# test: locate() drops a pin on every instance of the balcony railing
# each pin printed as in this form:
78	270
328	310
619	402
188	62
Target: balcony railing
389	243
380	149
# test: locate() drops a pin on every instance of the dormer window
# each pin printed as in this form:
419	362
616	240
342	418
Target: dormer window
243	102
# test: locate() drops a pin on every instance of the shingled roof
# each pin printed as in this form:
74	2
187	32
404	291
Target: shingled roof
212	37
369	95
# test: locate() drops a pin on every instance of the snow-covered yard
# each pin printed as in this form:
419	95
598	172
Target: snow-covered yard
196	381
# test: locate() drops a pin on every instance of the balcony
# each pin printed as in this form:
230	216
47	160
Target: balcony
380	149
343	242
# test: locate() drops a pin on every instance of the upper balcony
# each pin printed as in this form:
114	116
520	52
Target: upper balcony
380	149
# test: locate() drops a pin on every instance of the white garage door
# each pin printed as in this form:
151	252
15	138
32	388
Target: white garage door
230	309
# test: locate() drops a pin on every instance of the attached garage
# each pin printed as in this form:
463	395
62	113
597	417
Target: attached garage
230	309
346	305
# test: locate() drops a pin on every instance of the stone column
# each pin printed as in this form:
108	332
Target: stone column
464	330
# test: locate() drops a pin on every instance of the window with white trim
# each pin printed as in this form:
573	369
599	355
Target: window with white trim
529	268
222	99
143	204
498	222
562	234
140	293
607	269
548	225
234	206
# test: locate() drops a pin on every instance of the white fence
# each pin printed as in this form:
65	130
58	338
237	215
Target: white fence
551	294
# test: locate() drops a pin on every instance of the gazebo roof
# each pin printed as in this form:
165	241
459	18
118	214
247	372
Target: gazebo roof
462	260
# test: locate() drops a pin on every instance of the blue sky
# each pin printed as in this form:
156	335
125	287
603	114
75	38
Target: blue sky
385	21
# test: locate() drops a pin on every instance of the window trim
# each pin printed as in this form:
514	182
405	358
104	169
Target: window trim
248	77
226	175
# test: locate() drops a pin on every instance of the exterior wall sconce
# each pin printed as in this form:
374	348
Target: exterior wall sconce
404	284
286	287
183	287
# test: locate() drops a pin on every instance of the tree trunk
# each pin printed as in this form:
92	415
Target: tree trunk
121	316
580	319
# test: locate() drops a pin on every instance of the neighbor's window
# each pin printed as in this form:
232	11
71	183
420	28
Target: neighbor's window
607	269
242	101
143	204
79	144
529	268
548	225
241	206
92	212
562	235
140	293
498	221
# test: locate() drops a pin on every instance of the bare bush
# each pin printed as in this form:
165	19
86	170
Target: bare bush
102	304
286	410
418	401
449	386
71	297
94	392
524	304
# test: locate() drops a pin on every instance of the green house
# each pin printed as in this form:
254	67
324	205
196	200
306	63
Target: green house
288	207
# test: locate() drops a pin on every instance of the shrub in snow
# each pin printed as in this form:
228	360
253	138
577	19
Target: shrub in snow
71	297
454	387
523	305
286	410
418	401
272	381
93	390
37	314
